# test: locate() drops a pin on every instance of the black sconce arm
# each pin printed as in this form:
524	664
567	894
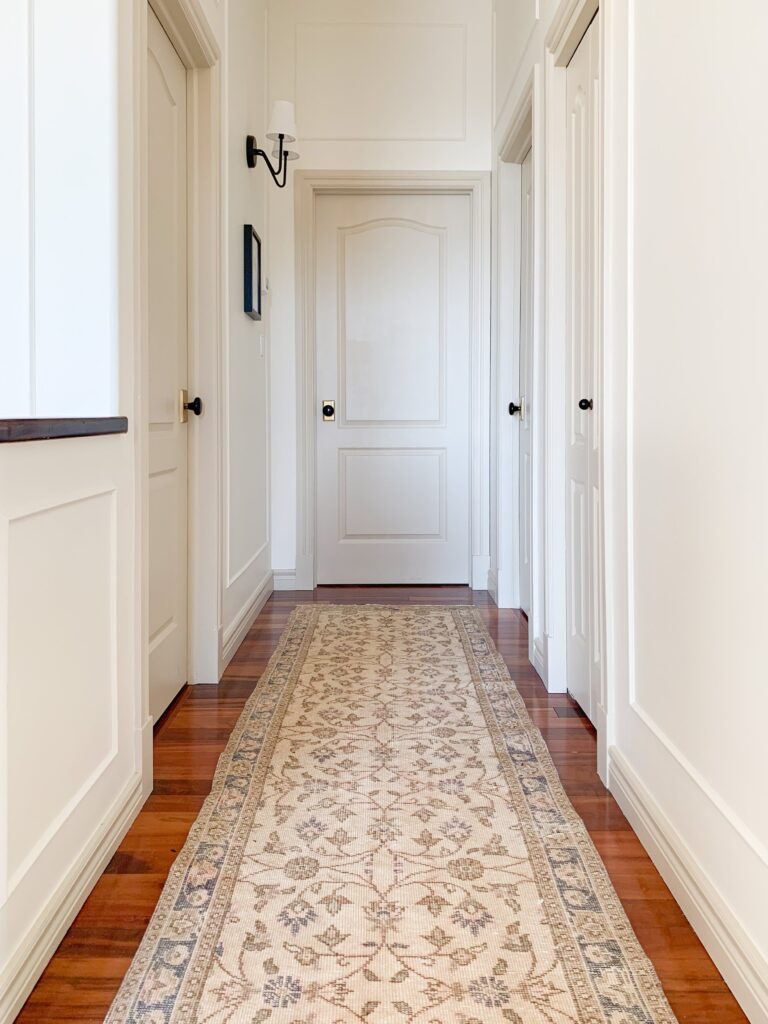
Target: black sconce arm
279	173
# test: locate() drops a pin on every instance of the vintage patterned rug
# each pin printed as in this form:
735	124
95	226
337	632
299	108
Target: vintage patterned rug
387	842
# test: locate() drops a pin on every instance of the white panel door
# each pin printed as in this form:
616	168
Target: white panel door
526	379
583	512
393	282
167	299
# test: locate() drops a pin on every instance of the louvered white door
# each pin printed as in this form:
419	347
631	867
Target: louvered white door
583	511
392	286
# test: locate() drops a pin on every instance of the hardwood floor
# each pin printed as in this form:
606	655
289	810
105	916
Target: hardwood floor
82	978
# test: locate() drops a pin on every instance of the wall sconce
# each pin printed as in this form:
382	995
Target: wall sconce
282	131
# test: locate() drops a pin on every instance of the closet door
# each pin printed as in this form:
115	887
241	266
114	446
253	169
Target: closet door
526	379
583	414
167	251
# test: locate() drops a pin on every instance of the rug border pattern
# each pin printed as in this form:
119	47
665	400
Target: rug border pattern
488	665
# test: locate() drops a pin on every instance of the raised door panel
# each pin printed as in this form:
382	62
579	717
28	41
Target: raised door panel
578	531
392	344
392	494
579	264
61	579
167	275
526	498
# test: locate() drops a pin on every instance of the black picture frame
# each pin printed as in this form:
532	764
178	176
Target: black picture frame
251	272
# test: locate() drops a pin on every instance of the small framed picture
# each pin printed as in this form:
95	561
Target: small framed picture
252	272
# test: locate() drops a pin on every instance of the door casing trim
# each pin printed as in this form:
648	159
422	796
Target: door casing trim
308	186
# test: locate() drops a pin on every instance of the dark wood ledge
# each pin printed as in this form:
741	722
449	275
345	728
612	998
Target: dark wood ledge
45	430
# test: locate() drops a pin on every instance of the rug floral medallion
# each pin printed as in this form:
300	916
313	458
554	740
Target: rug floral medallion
387	842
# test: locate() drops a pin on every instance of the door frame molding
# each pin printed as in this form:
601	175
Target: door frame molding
308	186
193	39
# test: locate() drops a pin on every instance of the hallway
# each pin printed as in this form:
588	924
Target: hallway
410	301
82	978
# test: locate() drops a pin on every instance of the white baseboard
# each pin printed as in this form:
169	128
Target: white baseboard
22	971
538	656
236	633
285	579
501	589
556	677
305	572
509	591
601	727
736	956
481	566
147	761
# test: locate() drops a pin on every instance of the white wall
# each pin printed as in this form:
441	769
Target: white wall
393	85
689	721
73	719
686	482
58	355
246	554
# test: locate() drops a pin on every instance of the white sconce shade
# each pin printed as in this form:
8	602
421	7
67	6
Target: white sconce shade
282	132
283	122
289	154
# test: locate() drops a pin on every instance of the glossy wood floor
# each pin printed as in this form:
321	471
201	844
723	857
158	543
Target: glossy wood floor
84	975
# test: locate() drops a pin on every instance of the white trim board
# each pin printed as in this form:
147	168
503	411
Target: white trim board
737	958
285	579
187	27
45	933
567	29
476	185
493	585
519	130
238	631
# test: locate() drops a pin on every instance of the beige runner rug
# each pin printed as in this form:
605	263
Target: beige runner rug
387	842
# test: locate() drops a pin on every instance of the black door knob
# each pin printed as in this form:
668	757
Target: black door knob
513	409
585	403
195	406
328	410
